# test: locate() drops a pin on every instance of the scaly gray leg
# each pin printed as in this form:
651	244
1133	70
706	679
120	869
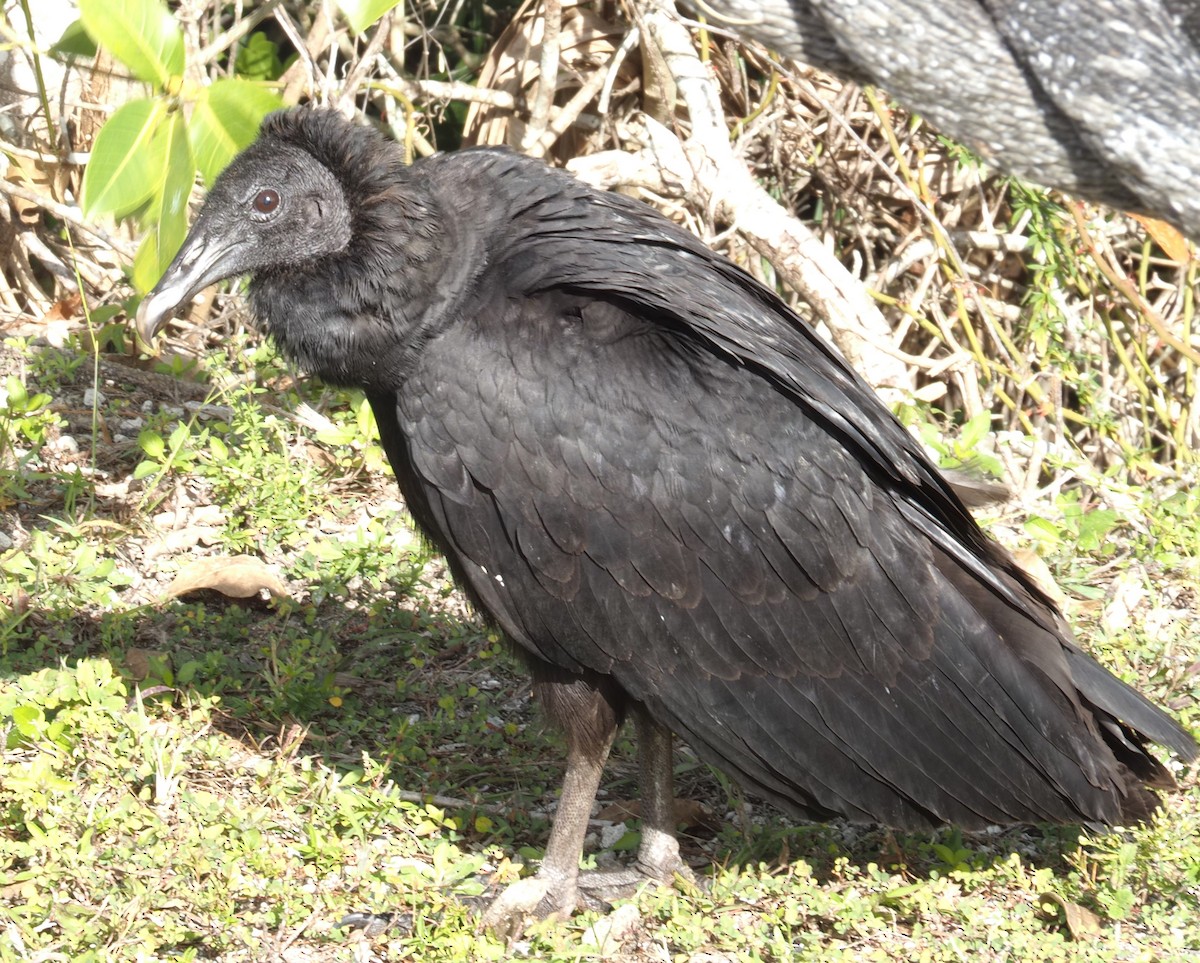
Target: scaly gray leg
559	885
554	889
658	855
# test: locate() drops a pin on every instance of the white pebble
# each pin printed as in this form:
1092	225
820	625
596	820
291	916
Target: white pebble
93	398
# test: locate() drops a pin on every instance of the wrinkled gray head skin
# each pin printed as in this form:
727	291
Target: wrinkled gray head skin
274	206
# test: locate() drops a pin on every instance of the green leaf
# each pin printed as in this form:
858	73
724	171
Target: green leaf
74	42
126	160
360	14
151	442
179	437
1043	530
29	720
975	430
225	121
258	58
1095	525
166	216
141	34
145	262
16	393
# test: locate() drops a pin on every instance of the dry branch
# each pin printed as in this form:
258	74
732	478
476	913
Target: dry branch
703	165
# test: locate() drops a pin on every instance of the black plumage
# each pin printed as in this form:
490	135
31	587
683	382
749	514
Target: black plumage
673	497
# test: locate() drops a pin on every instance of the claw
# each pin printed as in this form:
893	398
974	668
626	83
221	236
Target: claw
529	900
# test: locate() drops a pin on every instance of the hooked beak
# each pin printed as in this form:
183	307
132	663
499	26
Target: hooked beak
200	262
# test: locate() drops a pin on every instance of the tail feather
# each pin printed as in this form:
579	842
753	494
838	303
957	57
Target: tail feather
1140	717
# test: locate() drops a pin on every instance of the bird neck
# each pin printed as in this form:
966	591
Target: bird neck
360	317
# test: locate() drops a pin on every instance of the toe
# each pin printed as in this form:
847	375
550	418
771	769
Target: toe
527	900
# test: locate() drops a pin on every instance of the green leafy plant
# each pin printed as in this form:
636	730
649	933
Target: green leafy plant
23	417
60	568
176	451
1084	529
969	450
24	421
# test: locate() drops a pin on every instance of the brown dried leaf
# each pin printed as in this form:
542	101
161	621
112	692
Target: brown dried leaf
688	812
587	41
239	577
139	663
1081	922
64	309
33	175
1039	571
1166	236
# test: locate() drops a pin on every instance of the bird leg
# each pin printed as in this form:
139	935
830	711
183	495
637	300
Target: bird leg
589	711
589	715
554	890
658	855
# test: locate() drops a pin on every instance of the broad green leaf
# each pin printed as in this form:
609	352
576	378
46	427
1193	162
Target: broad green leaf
29	720
141	34
360	14
1042	530
225	121
976	430
126	160
15	393
144	469
166	215
151	442
1095	525
74	42
258	58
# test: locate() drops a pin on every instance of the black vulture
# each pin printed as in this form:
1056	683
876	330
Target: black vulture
676	501
1100	98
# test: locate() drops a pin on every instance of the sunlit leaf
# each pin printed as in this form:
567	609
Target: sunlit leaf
239	576
360	14
1167	237
142	34
166	216
1042	530
1094	526
226	120
976	430
126	160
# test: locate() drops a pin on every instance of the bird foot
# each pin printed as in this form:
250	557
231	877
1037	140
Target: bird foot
527	900
553	897
599	889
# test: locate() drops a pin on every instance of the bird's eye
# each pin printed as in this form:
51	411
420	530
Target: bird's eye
266	201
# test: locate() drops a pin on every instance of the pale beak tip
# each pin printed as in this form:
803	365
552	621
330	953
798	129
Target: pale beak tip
151	318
